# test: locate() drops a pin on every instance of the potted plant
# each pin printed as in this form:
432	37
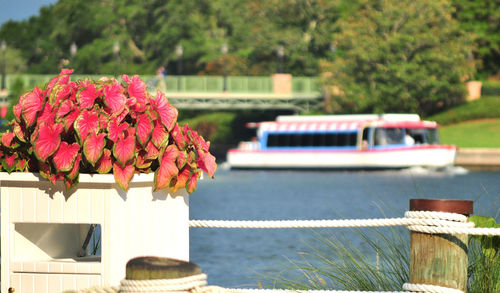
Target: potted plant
106	126
71	141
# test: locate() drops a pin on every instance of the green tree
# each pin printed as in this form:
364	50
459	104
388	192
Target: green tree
302	27
481	18
14	62
399	56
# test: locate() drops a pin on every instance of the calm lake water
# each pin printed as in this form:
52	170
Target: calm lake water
236	257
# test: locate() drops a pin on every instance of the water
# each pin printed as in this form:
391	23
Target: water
236	257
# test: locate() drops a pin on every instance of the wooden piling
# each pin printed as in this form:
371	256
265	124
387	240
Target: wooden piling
155	268
439	259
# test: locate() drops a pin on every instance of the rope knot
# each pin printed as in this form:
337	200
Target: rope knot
436	222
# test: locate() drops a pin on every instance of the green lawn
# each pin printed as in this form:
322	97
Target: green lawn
478	133
485	107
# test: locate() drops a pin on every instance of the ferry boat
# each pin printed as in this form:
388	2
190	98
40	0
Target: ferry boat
343	141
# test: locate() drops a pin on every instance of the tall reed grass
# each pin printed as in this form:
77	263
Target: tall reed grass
334	262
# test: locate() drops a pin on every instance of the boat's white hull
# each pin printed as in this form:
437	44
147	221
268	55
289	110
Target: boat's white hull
426	156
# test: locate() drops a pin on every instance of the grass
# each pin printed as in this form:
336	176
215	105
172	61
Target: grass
485	107
336	264
474	134
472	124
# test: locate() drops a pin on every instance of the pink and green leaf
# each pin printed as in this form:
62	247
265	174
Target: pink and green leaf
124	150
167	169
160	135
179	138
19	131
64	109
142	161
93	147
31	103
59	94
119	119
181	180
152	151
75	171
9	162
87	96
168	113
86	123
18	110
22	165
47	115
44	169
62	78
105	163
47	141
136	89
114	98
181	159
65	156
192	181
103	120
206	162
123	175
69	120
144	128
70	184
8	140
116	130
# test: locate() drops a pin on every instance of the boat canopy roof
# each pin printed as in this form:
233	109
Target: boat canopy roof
341	123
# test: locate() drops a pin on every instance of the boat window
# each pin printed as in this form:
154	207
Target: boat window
424	135
272	140
346	139
432	136
389	136
366	136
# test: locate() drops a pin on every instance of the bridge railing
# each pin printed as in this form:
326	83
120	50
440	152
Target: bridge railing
184	83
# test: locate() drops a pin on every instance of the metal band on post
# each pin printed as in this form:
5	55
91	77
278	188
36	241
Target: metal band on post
439	259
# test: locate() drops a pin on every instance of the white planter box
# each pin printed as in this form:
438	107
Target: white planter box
42	230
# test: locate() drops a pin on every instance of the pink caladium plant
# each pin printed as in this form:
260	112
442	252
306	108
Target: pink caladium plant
104	126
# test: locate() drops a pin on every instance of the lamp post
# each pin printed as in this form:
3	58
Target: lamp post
223	50
116	51
179	51
333	49
280	52
3	45
72	50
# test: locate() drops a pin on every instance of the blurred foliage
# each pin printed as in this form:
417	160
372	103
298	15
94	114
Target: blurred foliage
490	88
377	56
399	56
132	36
481	19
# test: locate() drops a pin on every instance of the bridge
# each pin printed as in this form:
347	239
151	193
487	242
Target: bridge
277	92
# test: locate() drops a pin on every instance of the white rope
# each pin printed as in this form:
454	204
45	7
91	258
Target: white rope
185	284
308	291
420	221
408	287
429	288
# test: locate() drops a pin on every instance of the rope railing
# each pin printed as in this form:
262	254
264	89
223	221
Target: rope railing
429	222
420	221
